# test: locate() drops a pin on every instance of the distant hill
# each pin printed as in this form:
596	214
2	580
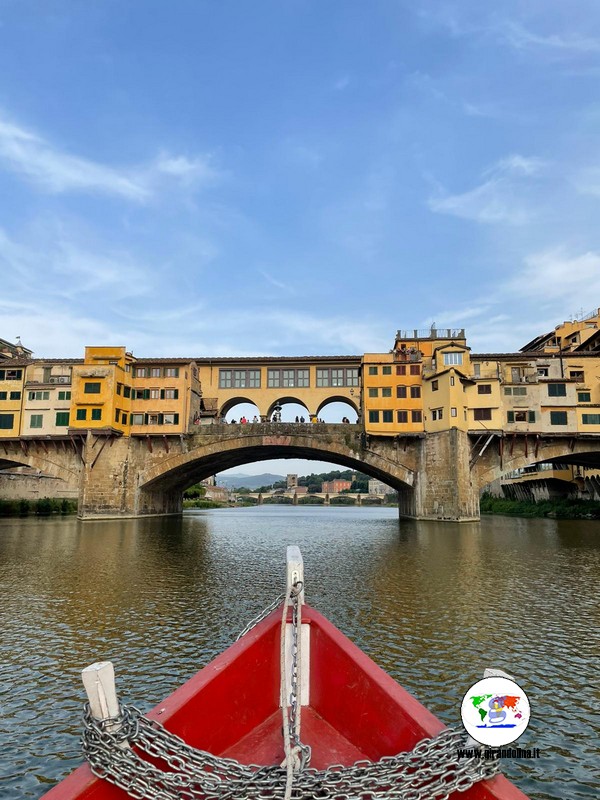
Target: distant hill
238	480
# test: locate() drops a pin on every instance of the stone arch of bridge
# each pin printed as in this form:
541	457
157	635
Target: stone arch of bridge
45	464
564	451
178	471
236	401
284	400
339	399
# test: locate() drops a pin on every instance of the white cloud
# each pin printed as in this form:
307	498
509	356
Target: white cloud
285	287
56	264
521	38
53	170
553	277
188	170
588	181
499	199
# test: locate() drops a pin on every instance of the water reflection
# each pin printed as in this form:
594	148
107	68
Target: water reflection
433	604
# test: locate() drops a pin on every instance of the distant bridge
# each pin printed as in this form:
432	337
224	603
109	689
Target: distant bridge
300	498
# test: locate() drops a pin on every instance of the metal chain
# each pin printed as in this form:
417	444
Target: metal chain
120	752
295	693
429	772
263	615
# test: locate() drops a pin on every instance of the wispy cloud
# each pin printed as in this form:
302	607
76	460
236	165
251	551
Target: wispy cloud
57	264
489	23
558	278
341	83
278	284
522	38
190	171
499	199
485	110
54	170
588	181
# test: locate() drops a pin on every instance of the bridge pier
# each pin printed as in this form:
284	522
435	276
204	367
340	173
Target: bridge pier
444	487
108	485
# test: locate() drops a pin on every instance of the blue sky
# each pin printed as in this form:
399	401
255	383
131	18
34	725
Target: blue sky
295	177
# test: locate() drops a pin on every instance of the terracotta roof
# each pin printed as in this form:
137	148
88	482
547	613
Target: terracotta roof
249	359
536	354
15	362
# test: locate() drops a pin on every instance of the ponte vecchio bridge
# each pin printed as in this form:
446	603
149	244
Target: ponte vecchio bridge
429	418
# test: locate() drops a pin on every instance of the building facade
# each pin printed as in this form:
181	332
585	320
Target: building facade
429	382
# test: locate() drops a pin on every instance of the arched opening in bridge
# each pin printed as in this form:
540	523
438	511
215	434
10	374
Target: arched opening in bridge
300	453
288	409
337	410
239	407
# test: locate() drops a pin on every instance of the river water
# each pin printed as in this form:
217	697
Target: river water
432	603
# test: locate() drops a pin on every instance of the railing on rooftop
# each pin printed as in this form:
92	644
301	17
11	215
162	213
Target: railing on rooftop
584	317
432	333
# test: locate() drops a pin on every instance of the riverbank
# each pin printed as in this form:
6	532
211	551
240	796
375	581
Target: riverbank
43	506
554	509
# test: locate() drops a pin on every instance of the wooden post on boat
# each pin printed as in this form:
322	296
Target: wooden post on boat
492	672
295	569
295	573
99	682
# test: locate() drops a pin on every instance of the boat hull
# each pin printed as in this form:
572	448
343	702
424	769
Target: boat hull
231	708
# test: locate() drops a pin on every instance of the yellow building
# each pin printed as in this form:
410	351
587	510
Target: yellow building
265	382
113	392
400	395
165	396
47	398
12	380
392	393
101	391
578	335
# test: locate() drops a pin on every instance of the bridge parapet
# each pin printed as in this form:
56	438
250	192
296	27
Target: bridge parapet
219	428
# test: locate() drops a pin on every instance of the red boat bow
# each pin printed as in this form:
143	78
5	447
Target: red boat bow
231	708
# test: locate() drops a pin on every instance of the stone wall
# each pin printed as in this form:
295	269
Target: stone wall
17	486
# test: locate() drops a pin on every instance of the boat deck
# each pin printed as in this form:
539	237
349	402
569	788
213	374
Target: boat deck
264	744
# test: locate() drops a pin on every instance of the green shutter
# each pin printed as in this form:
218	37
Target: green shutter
176	419
146	395
531	416
510	416
145	419
176	394
162	394
161	419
